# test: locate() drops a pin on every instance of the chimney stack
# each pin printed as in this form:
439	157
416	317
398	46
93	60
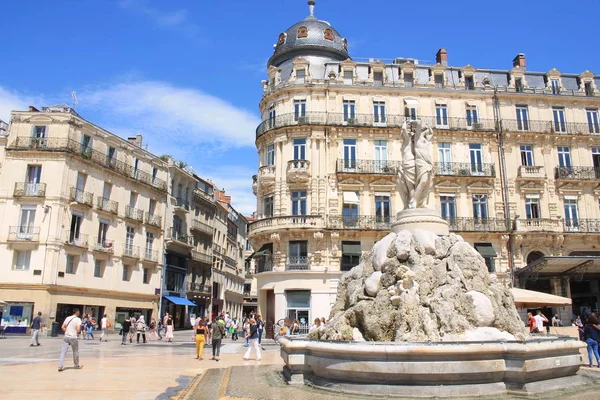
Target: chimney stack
33	109
441	57
135	140
519	61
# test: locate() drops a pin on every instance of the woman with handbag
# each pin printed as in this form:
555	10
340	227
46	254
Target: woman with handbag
200	331
169	334
140	326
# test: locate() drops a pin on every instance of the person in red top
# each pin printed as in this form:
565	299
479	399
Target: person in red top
531	323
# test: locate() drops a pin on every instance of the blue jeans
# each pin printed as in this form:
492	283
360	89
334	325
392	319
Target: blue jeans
90	330
260	331
592	346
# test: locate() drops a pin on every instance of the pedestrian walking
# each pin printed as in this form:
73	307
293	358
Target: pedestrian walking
234	329
36	325
200	330
169	325
125	330
140	327
132	329
89	327
592	337
159	328
217	333
71	327
246	330
153	331
253	338
260	324
104	325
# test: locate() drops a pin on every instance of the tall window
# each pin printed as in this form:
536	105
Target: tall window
349	110
571	212
439	81
80	185
126	270
527	156
410	111
518	85
348	76
408	79
86	144
444	159
448	207
129	238
298	257
75	231
300	75
134	196
270	159
480	206
589	89
592	119
476	158
32	180
378	78
299	146
111	156
560	125
441	115
532	207
299	203
522	118
469	82
272	114
22	260
381	155
298	306
379	112
98	269
351	253
268	206
382	208
38	136
349	153
147	275
564	156
149	243
472	116
102	232
299	110
71	267
350	209
555	85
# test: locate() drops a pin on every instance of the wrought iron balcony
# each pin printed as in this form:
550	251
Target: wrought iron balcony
81	197
182	204
153	219
134	214
202	257
24	233
577	173
287	222
76	239
26	189
107	205
194	287
266	266
370	222
486	170
180	237
582	225
150	255
565	128
72	146
201	227
131	251
463	224
379	167
532	172
104	246
297	263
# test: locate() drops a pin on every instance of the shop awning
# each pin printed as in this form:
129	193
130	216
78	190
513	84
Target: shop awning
261	253
180	301
562	266
530	299
350	198
351	249
485	249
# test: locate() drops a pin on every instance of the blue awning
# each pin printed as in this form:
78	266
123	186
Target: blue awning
180	301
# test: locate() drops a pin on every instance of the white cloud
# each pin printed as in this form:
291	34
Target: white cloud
12	100
174	19
186	117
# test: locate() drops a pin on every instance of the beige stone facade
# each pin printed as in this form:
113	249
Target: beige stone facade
517	161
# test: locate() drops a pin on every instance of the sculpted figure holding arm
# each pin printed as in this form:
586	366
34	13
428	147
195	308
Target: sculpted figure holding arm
406	174
424	163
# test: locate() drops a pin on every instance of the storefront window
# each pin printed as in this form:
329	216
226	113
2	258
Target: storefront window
17	316
298	306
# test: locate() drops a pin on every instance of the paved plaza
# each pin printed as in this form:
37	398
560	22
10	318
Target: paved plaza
159	370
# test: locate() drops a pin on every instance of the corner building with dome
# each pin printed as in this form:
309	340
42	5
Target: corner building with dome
517	168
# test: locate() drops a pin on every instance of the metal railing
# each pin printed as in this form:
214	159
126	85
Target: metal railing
202	257
577	173
131	251
104	246
582	225
200	226
107	205
24	233
466	224
359	222
153	219
297	263
150	255
267	266
81	197
180	237
199	288
75	239
26	189
134	213
381	167
487	170
87	153
557	127
181	203
291	221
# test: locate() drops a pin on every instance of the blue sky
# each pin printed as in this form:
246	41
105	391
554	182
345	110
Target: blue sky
187	74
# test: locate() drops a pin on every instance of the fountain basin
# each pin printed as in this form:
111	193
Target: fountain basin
444	369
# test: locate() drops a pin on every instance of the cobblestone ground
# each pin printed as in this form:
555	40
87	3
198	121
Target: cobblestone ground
163	371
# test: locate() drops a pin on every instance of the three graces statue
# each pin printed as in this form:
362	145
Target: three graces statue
415	177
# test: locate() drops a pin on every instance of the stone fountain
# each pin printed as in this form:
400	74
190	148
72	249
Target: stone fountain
420	315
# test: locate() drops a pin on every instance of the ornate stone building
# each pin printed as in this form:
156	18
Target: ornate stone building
517	167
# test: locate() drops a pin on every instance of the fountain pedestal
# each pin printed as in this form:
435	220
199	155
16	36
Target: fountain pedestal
420	218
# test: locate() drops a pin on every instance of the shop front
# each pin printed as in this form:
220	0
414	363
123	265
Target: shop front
16	316
176	307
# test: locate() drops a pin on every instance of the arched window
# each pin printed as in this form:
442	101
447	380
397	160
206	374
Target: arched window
328	34
534	255
281	39
302	32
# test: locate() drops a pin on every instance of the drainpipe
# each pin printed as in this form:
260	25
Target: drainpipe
505	193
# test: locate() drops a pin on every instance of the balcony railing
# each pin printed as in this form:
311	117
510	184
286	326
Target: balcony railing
76	239
81	197
131	251
266	172
577	173
266	266
539	224
380	167
87	153
203	227
25	189
104	246
180	237
202	257
150	255
297	263
289	221
582	225
532	172
107	205
486	170
134	214
359	222
370	120
182	204
565	128
199	288
478	224
153	219
24	233
201	194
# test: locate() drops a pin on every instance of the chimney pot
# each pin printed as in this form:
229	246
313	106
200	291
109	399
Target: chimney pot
441	57
519	61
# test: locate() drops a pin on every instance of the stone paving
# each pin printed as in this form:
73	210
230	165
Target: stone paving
165	371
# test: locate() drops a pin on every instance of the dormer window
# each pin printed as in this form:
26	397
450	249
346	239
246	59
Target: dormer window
348	76
281	39
555	85
300	75
302	32
328	34
378	78
469	83
439	81
519	85
408	79
589	89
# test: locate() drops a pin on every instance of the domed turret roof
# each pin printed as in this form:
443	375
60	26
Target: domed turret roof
310	36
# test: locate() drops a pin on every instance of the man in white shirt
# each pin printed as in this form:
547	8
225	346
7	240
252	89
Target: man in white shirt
71	327
104	327
539	321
